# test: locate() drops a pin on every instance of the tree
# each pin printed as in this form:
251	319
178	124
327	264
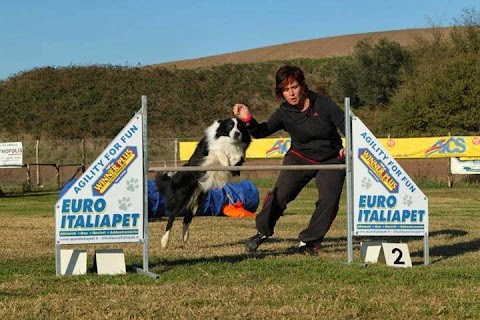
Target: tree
441	92
373	74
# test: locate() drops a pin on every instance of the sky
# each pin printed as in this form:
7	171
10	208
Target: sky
60	33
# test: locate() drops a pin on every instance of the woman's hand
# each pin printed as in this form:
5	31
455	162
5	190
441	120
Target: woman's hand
341	153
241	111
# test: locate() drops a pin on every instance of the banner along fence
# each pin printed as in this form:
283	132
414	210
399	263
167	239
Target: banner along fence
60	160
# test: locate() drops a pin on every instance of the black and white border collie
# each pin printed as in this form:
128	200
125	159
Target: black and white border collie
223	144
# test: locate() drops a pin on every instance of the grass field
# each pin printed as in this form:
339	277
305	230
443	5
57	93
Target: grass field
212	277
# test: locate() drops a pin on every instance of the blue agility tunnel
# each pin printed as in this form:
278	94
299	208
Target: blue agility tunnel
243	192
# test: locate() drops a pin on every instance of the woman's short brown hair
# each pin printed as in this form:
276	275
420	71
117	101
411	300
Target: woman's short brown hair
286	75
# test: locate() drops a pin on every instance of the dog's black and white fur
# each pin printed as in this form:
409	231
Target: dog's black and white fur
223	144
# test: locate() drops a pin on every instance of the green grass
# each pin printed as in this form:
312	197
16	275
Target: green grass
211	277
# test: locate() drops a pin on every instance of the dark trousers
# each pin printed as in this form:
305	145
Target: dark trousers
289	184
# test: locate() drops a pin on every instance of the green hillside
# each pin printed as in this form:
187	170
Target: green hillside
97	101
430	88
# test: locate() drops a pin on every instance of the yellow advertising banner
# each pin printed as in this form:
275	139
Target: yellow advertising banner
433	147
400	148
259	148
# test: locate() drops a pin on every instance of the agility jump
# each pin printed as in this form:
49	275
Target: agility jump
371	174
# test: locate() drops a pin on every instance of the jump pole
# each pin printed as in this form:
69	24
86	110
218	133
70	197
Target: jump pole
347	167
145	270
251	168
348	162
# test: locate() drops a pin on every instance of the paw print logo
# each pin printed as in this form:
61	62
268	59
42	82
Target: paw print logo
407	200
124	203
132	184
366	183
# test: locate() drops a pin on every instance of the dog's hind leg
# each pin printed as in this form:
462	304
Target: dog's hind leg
188	213
198	207
187	219
166	236
185	233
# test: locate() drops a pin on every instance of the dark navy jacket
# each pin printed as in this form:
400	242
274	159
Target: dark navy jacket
313	133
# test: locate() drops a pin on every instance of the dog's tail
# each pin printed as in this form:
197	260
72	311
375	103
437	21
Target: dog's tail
215	179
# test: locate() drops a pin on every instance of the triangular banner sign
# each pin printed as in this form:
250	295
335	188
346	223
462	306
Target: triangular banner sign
386	200
105	204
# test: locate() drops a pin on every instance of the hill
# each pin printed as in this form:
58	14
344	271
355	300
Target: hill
313	49
184	97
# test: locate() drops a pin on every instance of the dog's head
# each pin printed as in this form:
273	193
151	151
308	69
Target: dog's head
231	128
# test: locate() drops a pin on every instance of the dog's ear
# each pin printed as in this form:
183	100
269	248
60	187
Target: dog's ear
246	138
222	128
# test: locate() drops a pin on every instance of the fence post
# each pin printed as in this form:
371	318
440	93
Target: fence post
57	167
449	170
28	175
83	152
37	161
175	151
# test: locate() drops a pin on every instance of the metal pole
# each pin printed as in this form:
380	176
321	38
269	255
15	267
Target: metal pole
145	184
145	193
426	250
348	138
58	264
250	168
426	244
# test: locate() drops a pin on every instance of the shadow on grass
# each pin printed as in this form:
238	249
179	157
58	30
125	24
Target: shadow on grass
339	244
165	265
442	252
12	294
456	249
446	251
451	233
438	253
162	265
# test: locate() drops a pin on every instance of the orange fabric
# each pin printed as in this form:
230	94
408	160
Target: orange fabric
236	210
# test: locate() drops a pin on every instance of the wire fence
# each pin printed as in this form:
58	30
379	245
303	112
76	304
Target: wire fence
50	163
